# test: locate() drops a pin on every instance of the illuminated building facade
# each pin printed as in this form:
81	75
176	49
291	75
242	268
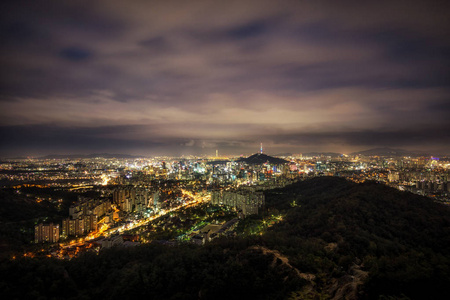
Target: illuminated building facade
46	233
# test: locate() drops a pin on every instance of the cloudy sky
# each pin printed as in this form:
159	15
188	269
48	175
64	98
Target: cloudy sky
190	77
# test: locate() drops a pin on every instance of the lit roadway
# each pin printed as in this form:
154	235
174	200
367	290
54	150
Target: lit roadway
104	231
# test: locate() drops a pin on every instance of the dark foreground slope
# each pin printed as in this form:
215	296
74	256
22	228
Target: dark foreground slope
337	240
401	240
18	215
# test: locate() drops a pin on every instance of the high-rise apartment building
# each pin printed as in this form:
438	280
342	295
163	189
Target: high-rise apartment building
46	233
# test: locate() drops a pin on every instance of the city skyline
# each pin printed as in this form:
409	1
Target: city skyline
177	77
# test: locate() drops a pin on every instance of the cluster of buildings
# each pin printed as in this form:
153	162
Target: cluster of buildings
237	183
246	202
433	186
135	199
80	226
116	240
83	219
87	215
84	216
212	231
46	233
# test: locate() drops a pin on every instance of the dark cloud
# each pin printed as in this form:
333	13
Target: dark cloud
17	32
165	75
247	31
75	54
412	137
41	139
157	45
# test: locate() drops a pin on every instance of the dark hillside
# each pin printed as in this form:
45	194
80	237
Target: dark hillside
401	239
18	215
335	240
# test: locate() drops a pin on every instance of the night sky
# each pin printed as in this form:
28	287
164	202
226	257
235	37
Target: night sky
189	77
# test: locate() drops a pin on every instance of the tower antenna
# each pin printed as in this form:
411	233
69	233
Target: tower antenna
261	149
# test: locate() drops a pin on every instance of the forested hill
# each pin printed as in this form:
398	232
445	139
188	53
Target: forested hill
333	208
402	240
336	239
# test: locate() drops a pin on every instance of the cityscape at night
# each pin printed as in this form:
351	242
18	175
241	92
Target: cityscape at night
225	149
